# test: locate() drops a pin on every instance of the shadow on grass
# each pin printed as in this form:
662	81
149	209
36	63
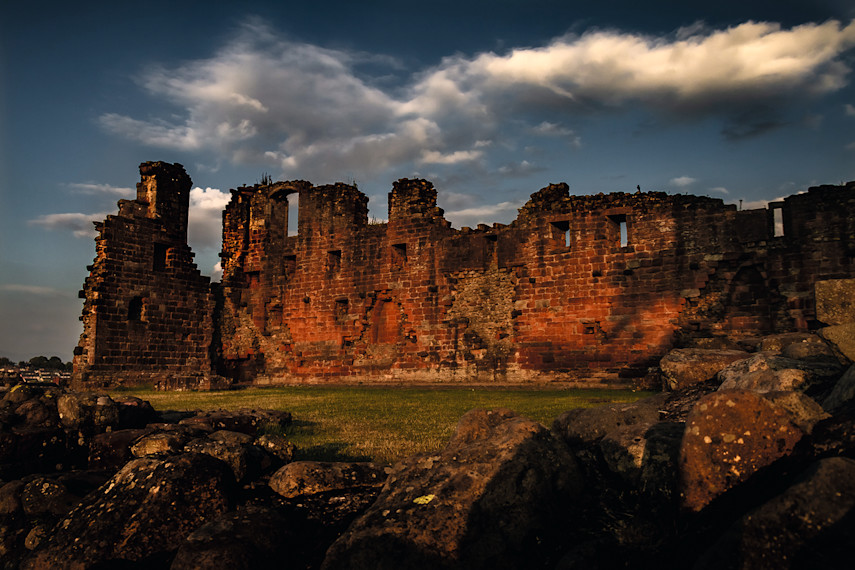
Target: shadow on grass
300	431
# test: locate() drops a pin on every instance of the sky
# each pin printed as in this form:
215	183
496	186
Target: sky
491	100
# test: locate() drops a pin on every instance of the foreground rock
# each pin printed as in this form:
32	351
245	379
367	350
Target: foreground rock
684	367
143	514
810	525
313	477
729	436
251	538
490	499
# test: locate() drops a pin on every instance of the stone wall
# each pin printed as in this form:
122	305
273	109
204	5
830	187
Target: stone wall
592	289
147	309
586	289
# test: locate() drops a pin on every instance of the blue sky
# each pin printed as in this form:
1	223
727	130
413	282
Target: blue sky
490	100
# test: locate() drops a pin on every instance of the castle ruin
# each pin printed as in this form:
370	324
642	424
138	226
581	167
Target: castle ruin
589	290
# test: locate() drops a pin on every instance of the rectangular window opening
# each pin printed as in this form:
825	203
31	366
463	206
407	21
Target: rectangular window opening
778	221
293	214
136	310
289	263
340	310
160	255
561	232
333	261
399	255
620	221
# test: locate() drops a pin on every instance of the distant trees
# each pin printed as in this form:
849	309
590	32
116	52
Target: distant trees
52	363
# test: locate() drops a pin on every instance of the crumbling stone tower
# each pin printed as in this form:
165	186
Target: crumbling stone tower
147	309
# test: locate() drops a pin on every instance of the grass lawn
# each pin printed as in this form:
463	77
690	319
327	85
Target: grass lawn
381	424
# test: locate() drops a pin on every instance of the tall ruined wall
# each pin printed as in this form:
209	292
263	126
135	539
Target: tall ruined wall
578	287
147	309
591	289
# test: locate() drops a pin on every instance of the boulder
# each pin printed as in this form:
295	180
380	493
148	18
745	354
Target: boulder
112	449
134	412
143	514
13	527
805	374
585	426
244	420
842	393
767	380
780	342
729	436
842	338
803	410
247	539
835	301
313	477
684	367
82	411
810	525
46	497
36	413
614	434
495	497
658	478
277	446
163	442
234	448
623	451
25	450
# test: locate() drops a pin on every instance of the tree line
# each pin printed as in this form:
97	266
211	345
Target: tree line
52	363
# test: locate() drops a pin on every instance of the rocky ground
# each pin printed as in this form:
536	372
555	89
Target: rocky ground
747	462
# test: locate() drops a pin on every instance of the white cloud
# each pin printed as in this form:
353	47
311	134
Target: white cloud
519	168
205	219
217	272
548	129
267	99
33	290
849	109
719	190
80	225
435	157
92	188
156	133
488	214
682	181
752	60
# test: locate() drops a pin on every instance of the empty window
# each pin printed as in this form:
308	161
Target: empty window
333	261
290	265
160	254
399	255
293	213
340	310
561	232
778	221
620	221
136	310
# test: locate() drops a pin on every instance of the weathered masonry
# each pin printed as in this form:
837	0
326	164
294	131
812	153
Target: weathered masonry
592	289
147	309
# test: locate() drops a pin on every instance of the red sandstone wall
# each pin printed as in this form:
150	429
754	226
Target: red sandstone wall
147	309
557	294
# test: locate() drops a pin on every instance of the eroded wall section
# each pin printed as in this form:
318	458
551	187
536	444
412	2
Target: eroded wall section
147	309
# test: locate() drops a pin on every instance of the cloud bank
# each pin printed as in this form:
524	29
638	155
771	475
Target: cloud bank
312	112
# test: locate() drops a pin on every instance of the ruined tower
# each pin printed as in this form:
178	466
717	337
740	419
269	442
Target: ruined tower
147	309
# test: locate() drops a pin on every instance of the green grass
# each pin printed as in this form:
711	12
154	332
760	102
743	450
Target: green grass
381	424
